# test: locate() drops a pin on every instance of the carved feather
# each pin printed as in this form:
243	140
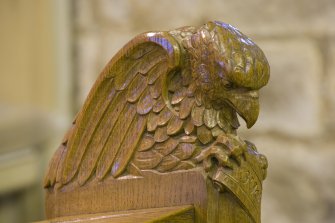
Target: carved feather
204	134
174	126
189	127
78	145
168	162
164	116
186	107
111	125
128	146
152	122
184	165
197	115
157	71
210	117
146	143
167	147
184	151
136	88
216	131
98	139
67	135
159	105
147	160
145	103
50	179
179	95
141	51
115	140
161	134
188	139
122	81
151	63
156	88
175	83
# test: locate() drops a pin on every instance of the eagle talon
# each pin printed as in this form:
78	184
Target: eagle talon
235	145
214	156
219	153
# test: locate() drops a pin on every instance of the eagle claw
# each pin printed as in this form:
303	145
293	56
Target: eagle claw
220	153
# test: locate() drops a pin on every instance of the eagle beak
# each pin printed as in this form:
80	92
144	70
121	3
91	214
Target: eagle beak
246	105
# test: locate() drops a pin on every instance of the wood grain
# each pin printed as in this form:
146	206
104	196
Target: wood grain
182	214
150	191
159	129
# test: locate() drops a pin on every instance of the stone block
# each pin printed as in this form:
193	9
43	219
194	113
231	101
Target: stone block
151	14
258	17
84	18
87	63
273	17
291	102
94	50
300	181
329	86
117	13
112	41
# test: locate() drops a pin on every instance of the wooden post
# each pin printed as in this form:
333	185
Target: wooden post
157	134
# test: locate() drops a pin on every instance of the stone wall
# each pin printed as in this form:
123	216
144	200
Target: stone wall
34	102
296	128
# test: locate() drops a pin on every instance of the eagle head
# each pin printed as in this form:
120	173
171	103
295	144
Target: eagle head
229	69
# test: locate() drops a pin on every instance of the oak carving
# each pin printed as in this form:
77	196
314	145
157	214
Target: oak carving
167	103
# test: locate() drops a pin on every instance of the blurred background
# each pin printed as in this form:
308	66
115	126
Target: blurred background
51	52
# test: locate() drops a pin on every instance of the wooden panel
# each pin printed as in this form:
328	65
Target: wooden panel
176	214
150	191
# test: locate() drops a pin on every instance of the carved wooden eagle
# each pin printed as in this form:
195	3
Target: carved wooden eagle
161	103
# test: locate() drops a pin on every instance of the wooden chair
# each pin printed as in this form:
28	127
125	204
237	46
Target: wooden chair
155	140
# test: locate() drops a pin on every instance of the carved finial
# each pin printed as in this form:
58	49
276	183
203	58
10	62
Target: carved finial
168	101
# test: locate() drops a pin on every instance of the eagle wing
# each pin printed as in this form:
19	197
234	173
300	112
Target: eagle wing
115	115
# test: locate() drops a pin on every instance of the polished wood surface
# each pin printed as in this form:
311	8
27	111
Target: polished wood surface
150	191
159	129
182	214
